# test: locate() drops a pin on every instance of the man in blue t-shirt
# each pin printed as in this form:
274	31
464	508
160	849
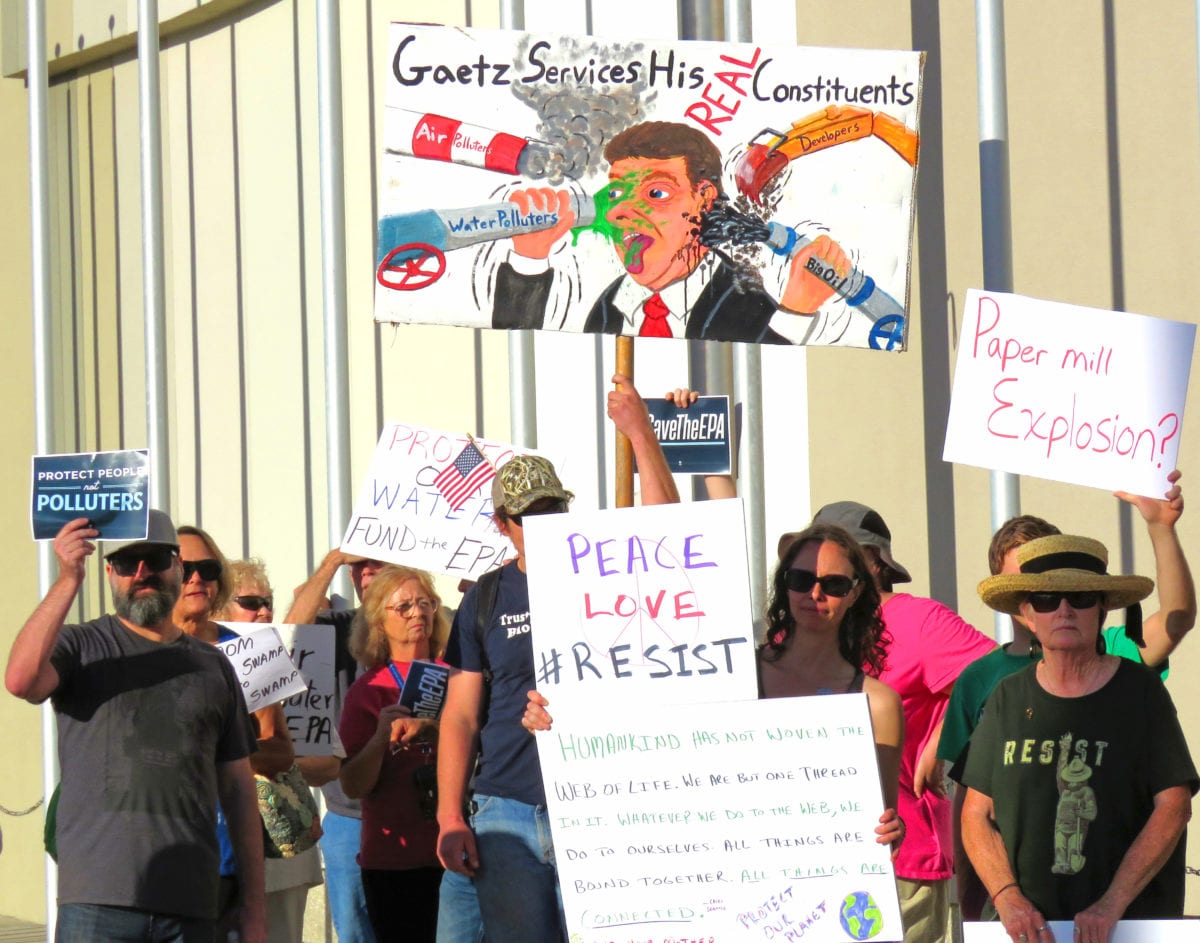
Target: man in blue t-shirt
505	848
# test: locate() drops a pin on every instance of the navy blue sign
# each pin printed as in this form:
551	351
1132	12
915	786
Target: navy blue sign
110	489
695	440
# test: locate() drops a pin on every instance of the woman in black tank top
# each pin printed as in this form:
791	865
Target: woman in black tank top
825	636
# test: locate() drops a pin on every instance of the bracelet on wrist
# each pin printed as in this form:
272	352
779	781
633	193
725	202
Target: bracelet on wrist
1002	890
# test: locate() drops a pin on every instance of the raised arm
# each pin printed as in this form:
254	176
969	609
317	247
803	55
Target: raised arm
29	673
628	412
311	595
717	486
1176	614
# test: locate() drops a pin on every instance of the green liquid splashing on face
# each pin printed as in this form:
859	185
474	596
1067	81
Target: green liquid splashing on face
617	191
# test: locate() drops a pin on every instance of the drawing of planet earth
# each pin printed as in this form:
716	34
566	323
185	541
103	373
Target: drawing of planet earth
860	915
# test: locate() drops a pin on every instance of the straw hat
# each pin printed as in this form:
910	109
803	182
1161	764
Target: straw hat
1062	563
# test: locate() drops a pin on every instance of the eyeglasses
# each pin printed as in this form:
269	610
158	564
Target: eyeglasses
554	507
254	603
209	570
802	581
1049	602
155	560
404	608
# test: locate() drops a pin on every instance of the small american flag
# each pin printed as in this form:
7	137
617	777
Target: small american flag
464	476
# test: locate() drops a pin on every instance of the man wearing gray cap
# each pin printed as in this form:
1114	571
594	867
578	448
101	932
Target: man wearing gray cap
930	646
152	732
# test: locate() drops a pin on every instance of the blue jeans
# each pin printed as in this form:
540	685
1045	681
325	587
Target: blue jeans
87	923
343	879
517	882
458	910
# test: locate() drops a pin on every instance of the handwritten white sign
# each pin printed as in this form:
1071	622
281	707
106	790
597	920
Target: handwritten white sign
309	713
416	510
1068	393
649	603
262	665
725	822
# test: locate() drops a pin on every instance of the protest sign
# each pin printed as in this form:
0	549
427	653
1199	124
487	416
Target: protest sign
725	822
694	440
427	502
538	180
1124	931
1068	393
262	665
424	689
649	604
110	489
309	713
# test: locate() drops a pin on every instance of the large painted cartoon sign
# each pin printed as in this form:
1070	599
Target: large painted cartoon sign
703	190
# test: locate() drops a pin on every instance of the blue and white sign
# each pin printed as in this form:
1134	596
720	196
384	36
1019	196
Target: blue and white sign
110	489
695	440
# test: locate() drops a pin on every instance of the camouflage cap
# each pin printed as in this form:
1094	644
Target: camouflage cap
522	480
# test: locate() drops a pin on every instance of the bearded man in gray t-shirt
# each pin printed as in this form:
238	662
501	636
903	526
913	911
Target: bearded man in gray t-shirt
152	733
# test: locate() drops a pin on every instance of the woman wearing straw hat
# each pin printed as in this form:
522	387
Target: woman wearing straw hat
1079	781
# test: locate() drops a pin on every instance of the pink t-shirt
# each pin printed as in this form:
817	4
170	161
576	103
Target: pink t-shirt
930	646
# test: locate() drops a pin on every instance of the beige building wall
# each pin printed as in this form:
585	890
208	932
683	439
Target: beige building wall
1105	161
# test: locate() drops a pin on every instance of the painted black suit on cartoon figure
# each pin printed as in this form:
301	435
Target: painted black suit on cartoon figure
723	311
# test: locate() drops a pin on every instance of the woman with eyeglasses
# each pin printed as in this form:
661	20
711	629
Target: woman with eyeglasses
207	586
1079	782
287	879
825	636
391	756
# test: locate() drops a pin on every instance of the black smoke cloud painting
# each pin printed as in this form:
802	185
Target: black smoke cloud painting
687	189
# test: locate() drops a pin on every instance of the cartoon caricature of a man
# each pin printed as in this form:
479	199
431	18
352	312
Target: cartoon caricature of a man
663	177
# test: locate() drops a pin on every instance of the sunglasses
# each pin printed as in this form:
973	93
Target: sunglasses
209	570
554	507
156	561
254	603
802	581
1049	602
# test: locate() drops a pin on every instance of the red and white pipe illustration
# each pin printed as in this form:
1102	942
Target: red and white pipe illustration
413	246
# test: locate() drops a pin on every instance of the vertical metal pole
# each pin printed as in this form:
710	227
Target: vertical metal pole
710	363
747	387
153	303
522	375
333	283
995	205
43	355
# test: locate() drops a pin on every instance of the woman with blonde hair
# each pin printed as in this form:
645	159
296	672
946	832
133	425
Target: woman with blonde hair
391	756
287	879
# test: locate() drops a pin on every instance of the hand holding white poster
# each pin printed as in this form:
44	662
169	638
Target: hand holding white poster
1068	393
647	605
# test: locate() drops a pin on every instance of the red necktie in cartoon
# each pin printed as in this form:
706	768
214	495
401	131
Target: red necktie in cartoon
654	324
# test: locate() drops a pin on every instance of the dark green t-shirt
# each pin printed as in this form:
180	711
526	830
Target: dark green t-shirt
979	678
1073	782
